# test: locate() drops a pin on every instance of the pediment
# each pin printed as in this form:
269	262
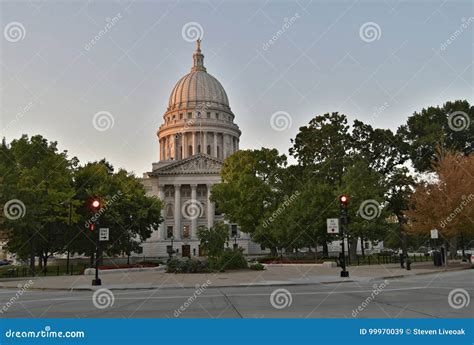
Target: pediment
197	164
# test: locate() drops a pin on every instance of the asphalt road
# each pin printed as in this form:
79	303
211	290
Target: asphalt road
420	296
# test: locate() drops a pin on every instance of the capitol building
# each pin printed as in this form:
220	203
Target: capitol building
197	134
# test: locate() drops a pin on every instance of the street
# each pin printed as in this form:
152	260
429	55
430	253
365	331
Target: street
421	296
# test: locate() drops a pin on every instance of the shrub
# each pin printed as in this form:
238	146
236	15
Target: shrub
257	266
187	266
231	259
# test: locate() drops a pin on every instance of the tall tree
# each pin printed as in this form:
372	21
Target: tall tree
450	127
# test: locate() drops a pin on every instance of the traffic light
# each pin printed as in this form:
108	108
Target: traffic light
344	200
95	204
91	226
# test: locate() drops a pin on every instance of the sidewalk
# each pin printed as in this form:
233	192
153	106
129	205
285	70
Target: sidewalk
273	275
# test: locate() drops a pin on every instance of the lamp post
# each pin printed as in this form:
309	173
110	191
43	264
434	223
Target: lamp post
170	251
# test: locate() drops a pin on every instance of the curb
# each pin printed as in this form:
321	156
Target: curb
243	285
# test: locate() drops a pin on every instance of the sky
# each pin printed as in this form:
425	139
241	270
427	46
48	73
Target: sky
96	75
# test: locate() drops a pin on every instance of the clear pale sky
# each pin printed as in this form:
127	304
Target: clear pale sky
52	85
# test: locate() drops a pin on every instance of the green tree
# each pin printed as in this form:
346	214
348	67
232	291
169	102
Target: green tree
367	212
450	127
251	190
213	239
38	179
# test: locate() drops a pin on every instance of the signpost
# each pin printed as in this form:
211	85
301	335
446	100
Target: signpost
104	234
332	225
434	234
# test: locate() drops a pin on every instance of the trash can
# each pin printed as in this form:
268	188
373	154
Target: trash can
437	258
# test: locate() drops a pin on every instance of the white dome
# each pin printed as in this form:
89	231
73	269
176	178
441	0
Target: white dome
197	87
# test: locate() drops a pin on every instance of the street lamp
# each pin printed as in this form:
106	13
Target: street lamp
170	250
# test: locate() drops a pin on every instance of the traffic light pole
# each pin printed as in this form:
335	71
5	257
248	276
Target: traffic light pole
97	281
344	220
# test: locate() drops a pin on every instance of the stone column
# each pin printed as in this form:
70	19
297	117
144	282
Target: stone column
224	146
176	147
177	212
215	144
185	145
196	207
194	142
210	208
162	228
204	142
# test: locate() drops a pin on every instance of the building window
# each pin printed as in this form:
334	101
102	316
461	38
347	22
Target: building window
217	116
218	152
169	232
208	115
169	211
190	150
366	245
233	230
186	231
186	191
201	191
199	148
181	116
169	191
190	115
208	149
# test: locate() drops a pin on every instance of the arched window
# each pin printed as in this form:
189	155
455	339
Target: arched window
169	211
208	149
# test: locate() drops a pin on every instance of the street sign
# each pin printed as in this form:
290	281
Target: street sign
104	234
333	225
434	233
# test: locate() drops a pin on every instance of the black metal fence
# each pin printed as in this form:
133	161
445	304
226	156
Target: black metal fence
24	271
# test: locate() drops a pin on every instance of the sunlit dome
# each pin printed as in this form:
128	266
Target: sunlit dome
198	86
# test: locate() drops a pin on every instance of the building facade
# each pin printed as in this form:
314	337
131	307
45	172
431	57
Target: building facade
198	133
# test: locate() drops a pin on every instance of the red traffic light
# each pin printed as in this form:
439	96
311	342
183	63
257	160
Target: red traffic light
95	204
344	199
92	227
